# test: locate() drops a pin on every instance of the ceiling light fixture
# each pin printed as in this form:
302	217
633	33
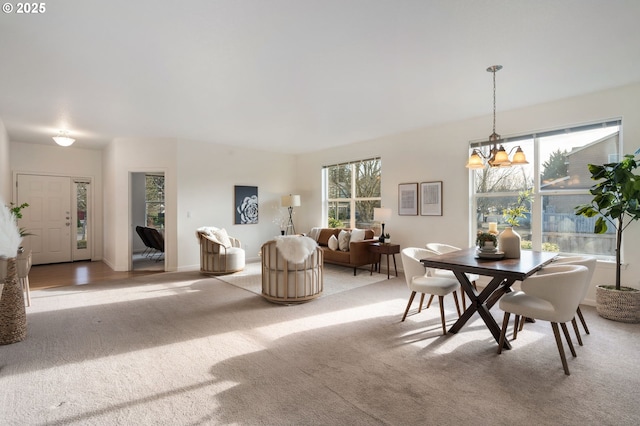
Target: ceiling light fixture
498	157
63	138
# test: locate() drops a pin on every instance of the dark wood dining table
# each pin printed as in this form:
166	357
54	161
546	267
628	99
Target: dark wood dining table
503	273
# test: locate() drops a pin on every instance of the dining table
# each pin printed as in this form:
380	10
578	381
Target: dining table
503	273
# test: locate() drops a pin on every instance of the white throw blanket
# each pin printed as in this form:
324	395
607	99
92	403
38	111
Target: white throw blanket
295	248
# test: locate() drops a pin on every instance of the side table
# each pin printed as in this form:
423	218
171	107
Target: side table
386	249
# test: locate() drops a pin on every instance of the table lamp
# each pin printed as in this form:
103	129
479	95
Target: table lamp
380	214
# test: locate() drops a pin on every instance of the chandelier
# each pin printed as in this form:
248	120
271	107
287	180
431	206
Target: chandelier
498	156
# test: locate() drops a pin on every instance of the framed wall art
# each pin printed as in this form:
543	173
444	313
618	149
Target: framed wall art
431	198
408	199
246	204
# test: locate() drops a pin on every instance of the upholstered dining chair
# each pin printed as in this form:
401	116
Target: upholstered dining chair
553	296
590	263
441	248
23	265
419	281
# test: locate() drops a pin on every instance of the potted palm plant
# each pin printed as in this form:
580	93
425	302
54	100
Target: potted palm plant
616	202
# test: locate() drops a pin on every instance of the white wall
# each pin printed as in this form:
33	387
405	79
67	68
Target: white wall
64	161
5	170
206	179
440	153
122	157
199	179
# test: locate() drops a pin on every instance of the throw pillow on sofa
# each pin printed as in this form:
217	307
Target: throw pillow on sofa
222	237
357	235
343	240
333	243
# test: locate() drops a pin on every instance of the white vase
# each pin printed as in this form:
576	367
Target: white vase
509	243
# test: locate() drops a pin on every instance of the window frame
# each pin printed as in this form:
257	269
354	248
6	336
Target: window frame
537	214
353	199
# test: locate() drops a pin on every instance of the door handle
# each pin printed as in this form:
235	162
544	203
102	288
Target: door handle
67	223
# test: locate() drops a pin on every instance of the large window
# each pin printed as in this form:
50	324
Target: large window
352	190
557	174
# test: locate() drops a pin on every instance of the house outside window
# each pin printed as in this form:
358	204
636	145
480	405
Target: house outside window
558	175
351	192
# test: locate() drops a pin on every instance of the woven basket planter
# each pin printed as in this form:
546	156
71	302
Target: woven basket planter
616	305
13	318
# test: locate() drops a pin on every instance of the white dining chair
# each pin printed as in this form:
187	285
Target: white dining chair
441	248
419	281
553	296
590	263
23	266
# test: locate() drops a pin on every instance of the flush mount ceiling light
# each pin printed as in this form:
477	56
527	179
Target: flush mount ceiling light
498	156
63	138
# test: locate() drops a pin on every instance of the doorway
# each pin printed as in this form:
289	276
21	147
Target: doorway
58	219
147	211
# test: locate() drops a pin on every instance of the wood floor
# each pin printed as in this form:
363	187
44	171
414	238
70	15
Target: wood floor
81	273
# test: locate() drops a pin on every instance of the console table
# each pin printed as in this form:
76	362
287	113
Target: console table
386	249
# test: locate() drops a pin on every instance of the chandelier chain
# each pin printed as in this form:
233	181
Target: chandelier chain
494	100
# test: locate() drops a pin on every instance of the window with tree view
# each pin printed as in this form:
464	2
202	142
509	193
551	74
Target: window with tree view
154	199
352	190
555	181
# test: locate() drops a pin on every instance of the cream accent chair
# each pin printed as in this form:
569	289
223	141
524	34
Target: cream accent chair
287	282
590	263
441	248
420	279
553	296
219	257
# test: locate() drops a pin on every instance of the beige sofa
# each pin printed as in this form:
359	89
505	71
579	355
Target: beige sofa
357	255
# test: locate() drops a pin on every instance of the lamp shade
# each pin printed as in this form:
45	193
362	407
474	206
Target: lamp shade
290	201
475	161
519	157
381	214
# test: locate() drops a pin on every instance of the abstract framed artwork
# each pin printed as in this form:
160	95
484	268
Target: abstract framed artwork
408	199
246	205
431	198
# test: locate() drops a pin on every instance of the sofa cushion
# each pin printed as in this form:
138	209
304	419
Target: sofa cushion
357	235
343	240
333	243
325	234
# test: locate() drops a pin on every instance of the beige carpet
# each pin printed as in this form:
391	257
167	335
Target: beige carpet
183	349
336	278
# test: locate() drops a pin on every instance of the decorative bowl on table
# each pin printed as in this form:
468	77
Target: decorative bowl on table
489	254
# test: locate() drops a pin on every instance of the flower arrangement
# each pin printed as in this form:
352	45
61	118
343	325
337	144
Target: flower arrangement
17	213
483	237
517	211
281	220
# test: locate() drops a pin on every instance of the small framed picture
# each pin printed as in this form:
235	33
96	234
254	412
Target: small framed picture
408	199
246	205
431	198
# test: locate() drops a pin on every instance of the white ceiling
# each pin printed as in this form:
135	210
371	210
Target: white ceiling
299	75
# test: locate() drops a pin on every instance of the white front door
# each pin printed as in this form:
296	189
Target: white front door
48	217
